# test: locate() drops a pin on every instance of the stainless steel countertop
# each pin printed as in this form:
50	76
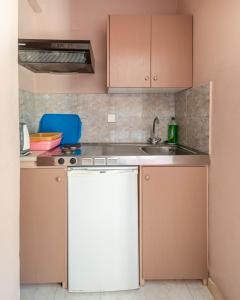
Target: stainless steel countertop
127	154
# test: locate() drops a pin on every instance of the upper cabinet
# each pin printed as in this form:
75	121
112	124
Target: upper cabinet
171	51
130	48
149	52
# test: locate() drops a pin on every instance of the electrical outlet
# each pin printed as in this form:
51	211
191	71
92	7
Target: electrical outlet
111	118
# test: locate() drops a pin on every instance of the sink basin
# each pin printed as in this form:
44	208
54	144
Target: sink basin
121	150
167	150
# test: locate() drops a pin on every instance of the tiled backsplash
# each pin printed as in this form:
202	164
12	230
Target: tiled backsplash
192	116
134	113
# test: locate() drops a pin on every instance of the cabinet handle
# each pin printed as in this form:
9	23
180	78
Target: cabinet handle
147	78
155	78
147	177
58	179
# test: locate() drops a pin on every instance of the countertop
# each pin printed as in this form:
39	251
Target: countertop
31	157
125	154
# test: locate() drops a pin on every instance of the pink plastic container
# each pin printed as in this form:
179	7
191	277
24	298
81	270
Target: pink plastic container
44	145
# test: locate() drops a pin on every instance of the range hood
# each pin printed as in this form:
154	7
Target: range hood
56	56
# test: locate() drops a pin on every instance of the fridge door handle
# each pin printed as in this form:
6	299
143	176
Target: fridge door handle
101	171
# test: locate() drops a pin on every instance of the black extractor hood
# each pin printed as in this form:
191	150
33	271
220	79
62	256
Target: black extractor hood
56	56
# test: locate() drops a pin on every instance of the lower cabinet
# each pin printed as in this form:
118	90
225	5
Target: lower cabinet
43	229
174	222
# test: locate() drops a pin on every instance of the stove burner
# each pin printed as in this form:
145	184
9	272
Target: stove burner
70	148
67	151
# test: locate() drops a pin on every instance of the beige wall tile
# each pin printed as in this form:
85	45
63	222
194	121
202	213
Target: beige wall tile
192	116
134	113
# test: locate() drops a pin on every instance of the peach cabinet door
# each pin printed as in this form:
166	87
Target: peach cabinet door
172	51
43	226
129	54
174	222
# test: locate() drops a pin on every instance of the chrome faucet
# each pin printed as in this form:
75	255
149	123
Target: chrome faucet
154	139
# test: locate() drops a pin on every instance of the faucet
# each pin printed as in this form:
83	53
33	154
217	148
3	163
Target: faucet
154	139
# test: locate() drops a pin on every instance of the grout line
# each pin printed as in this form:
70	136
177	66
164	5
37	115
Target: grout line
54	297
37	287
189	290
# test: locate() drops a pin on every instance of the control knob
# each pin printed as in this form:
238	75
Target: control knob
61	161
73	161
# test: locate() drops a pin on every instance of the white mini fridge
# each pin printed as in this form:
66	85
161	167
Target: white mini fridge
103	235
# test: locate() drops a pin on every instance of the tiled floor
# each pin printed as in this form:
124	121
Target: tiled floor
166	290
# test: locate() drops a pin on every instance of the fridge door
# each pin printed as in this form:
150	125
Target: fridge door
103	250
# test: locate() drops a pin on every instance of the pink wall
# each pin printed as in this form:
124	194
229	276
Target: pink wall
9	153
79	19
216	58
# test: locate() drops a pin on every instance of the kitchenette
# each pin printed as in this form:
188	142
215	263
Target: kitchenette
114	171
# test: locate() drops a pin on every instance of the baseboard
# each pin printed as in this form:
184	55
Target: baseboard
214	290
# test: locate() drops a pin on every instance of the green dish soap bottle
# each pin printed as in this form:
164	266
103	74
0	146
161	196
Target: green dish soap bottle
172	132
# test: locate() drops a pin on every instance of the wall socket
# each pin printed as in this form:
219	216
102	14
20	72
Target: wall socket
111	118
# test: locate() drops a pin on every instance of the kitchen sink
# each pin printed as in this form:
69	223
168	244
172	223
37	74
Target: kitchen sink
167	150
121	150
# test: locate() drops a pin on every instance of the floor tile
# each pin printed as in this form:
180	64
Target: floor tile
155	290
177	290
63	294
123	295
27	292
198	290
45	292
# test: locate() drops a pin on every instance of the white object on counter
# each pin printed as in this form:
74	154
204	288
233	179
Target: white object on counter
24	139
31	157
103	251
